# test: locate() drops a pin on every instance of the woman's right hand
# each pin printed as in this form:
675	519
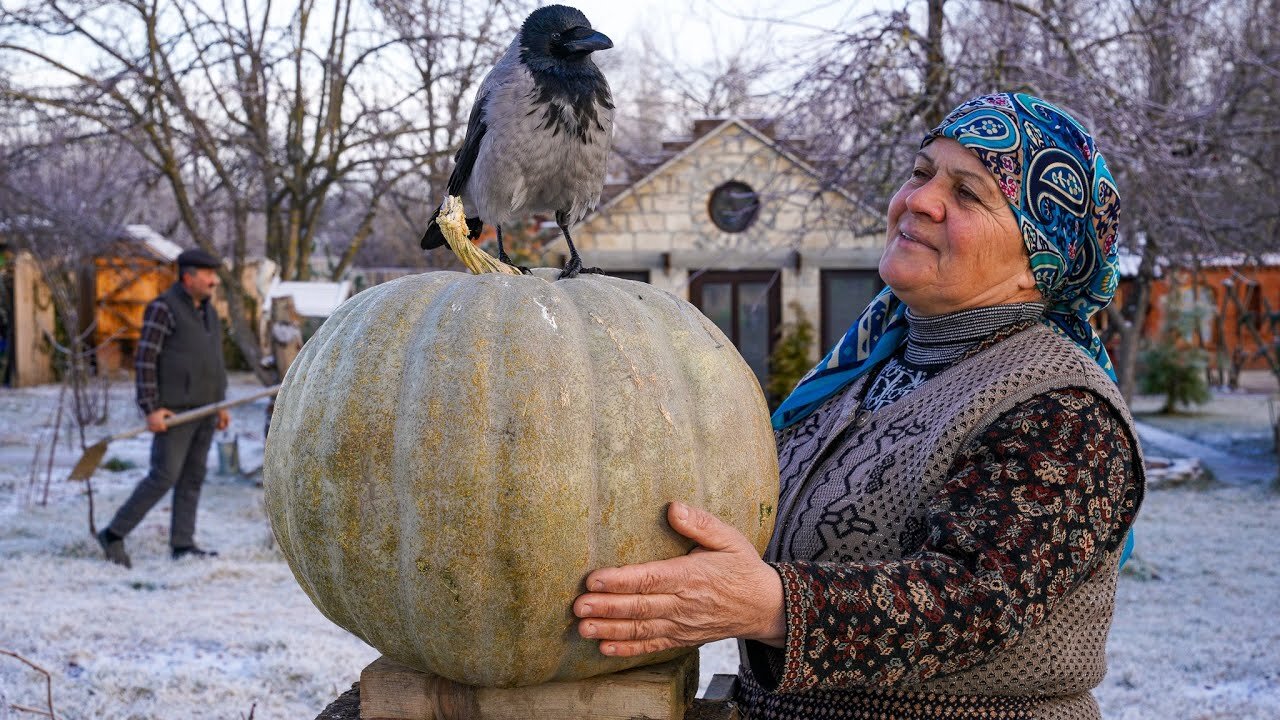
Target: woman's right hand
721	589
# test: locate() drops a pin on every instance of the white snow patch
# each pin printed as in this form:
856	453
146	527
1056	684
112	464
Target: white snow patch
311	299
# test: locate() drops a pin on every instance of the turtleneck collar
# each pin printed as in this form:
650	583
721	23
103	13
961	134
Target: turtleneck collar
944	339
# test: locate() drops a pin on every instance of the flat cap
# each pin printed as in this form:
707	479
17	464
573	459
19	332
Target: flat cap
198	258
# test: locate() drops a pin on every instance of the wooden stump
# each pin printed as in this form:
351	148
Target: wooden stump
391	691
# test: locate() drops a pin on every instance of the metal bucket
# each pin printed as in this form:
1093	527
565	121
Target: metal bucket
229	455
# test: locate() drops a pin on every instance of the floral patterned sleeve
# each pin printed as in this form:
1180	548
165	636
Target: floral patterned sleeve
1030	508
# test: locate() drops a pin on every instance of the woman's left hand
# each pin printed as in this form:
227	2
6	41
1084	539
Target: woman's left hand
721	589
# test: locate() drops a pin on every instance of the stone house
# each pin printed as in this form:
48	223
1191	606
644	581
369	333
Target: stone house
741	225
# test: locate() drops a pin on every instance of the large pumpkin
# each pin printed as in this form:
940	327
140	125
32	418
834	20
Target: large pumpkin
451	454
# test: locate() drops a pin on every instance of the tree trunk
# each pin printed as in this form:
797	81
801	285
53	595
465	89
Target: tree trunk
243	333
935	75
1126	360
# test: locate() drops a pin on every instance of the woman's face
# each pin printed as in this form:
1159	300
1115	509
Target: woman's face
953	241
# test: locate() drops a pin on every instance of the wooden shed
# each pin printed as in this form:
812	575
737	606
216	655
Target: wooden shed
119	284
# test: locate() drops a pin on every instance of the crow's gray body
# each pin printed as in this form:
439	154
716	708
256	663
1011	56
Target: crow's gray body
539	132
537	155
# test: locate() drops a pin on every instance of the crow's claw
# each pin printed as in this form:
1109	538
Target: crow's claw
574	267
571	268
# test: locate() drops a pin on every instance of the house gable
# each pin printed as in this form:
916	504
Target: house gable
667	211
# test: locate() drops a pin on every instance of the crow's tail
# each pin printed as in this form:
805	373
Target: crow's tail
433	238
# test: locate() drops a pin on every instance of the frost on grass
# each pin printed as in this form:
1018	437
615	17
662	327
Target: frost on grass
1194	633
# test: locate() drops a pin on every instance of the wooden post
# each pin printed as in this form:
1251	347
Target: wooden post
286	333
391	691
33	313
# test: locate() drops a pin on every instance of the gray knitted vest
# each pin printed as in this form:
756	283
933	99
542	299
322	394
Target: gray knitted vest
855	487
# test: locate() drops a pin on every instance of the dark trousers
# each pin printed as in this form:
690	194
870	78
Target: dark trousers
178	459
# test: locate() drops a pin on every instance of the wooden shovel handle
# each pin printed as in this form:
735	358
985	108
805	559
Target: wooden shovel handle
202	411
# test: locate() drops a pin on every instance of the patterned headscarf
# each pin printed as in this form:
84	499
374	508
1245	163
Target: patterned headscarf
1067	208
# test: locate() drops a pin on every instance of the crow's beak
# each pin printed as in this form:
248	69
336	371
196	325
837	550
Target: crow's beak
588	44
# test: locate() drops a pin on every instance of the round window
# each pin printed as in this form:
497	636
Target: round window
733	206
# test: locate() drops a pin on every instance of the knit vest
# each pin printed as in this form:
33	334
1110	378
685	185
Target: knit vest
877	472
189	368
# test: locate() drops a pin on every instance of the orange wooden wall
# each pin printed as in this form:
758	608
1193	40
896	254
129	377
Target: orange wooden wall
1210	283
122	287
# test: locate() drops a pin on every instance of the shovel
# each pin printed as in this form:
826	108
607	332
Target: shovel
93	454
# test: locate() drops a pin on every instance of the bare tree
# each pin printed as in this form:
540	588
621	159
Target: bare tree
660	87
1173	89
64	204
254	119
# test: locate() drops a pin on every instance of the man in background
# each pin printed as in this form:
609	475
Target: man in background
178	367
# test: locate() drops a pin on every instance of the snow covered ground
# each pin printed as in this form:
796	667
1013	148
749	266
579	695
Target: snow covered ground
1195	633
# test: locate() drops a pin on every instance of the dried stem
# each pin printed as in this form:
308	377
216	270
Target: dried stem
53	446
48	686
453	223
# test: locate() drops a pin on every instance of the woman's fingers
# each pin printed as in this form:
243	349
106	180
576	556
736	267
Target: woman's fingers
605	629
639	607
709	531
631	648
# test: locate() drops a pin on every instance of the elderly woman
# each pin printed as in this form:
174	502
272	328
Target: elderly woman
958	475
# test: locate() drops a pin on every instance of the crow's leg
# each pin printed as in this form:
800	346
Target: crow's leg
502	254
574	266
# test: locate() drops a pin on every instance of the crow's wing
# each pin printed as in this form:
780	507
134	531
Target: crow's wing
465	160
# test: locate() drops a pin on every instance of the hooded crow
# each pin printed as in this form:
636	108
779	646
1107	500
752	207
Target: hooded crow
539	131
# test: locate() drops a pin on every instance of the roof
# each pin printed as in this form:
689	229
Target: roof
1239	259
311	299
1129	262
159	245
703	139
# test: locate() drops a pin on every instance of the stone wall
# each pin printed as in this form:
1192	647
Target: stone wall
662	223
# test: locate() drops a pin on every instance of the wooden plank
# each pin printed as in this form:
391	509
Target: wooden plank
391	691
33	314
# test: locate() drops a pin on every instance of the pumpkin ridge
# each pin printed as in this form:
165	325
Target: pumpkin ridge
343	556
575	324
684	389
464	520
510	411
312	572
411	488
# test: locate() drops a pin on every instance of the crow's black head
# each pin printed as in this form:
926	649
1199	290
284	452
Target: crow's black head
557	38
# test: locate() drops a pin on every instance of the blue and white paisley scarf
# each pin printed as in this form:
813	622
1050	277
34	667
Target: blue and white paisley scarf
1066	205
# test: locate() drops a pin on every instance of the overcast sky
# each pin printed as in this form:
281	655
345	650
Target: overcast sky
701	27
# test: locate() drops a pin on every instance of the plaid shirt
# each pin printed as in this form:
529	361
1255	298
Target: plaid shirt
157	324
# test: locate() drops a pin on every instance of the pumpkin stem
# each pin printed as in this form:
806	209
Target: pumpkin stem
453	223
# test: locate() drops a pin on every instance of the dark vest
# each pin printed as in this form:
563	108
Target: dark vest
189	369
